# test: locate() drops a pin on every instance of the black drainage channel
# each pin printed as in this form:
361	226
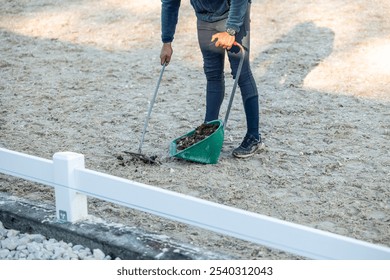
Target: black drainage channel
124	242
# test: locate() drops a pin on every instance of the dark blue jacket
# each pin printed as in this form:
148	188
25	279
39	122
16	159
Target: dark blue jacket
206	10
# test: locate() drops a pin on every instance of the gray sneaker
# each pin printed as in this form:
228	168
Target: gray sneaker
249	146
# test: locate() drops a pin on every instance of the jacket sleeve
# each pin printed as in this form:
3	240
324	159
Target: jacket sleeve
238	9
169	18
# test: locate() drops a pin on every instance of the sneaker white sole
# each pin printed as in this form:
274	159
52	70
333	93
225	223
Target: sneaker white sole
260	147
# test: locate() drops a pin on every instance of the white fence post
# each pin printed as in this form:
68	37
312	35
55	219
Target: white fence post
70	205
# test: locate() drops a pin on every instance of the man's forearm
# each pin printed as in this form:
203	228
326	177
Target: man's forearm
169	18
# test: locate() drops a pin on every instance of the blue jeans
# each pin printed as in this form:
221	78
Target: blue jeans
214	63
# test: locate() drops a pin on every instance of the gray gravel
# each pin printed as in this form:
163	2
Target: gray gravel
15	245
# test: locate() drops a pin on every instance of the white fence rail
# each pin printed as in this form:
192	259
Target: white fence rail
73	183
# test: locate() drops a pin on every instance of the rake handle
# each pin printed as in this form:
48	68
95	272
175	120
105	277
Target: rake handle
150	109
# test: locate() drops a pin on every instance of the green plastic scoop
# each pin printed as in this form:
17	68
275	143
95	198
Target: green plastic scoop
207	151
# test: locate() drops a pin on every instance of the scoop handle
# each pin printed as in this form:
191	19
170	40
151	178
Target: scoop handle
242	50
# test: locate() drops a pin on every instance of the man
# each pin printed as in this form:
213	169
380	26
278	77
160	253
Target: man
222	22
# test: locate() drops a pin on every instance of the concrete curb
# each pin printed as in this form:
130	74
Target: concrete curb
121	241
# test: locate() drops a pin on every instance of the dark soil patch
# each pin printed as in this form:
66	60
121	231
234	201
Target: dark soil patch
200	133
135	158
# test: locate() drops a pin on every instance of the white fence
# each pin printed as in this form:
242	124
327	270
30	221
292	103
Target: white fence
73	183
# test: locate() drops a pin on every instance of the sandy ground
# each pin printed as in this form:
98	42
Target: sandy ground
78	76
